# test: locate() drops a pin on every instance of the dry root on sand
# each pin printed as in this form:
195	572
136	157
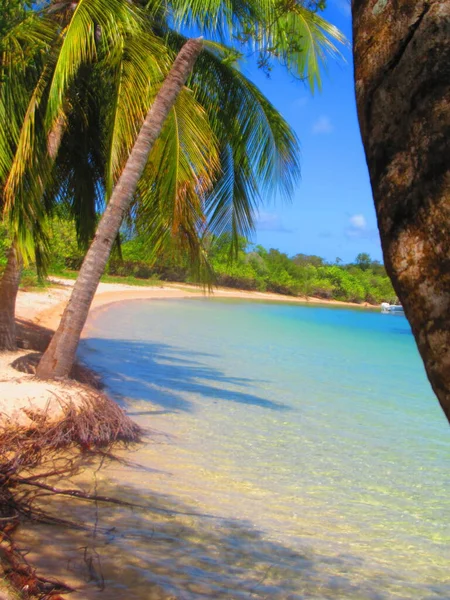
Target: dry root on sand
30	458
58	448
42	449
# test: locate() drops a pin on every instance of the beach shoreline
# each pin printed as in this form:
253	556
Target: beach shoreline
23	396
46	308
39	314
166	471
42	310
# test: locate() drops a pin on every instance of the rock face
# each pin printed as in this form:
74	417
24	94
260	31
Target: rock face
402	76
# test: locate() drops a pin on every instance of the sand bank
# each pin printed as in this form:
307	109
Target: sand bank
46	308
25	400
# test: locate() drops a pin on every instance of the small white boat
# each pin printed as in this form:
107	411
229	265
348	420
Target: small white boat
392	308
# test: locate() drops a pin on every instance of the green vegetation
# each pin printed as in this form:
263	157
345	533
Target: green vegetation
252	268
273	271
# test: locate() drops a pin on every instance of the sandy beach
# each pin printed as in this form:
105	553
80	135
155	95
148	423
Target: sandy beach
45	308
22	394
232	428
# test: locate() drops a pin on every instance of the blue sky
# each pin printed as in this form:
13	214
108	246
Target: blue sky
332	212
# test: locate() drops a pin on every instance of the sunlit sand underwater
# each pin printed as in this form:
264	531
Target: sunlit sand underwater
294	452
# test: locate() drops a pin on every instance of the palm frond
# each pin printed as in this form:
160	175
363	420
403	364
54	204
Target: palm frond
180	173
302	42
259	151
220	19
19	44
285	32
29	169
79	45
136	69
74	45
20	50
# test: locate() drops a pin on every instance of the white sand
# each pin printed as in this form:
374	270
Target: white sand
25	401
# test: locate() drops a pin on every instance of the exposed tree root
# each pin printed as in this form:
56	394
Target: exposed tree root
76	493
24	578
30	458
59	449
33	458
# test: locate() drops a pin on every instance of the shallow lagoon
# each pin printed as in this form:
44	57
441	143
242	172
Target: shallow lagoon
296	452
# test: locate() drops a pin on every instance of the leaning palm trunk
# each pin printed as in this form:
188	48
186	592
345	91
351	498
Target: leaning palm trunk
60	355
402	73
9	286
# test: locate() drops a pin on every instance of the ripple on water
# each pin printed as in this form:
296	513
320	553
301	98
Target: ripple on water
298	453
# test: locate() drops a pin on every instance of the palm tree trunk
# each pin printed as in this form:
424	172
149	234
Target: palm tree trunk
60	355
402	74
9	286
56	135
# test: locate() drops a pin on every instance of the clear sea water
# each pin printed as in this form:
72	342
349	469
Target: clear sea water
295	452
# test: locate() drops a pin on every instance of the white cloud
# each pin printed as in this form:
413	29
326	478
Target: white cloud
322	125
267	221
358	228
358	221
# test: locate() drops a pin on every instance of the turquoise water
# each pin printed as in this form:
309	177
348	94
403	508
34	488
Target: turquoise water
300	451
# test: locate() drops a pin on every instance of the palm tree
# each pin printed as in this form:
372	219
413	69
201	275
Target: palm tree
403	87
239	174
33	120
60	355
243	164
23	38
9	286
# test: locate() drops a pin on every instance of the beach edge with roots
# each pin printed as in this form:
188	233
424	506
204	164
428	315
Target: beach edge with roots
47	429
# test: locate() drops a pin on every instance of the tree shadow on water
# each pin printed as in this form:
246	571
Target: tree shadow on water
167	550
161	374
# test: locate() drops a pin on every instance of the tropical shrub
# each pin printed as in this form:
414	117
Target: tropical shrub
250	268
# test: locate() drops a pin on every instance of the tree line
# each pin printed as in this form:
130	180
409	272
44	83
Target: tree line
252	267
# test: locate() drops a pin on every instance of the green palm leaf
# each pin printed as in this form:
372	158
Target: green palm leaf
180	174
110	19
285	32
252	152
74	44
259	151
303	40
136	69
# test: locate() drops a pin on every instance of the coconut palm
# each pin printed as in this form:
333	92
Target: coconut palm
24	37
254	150
241	175
34	105
402	88
54	362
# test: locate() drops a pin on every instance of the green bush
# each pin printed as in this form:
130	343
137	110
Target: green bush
250	268
65	250
4	244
